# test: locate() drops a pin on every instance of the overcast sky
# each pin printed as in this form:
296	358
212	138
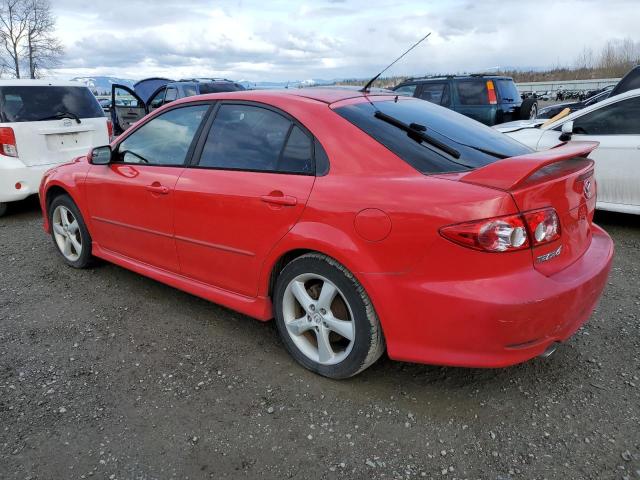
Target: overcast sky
296	40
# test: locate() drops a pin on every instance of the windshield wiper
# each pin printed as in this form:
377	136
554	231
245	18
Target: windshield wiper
64	114
417	133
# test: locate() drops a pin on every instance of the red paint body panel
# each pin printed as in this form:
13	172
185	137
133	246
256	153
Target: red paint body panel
213	234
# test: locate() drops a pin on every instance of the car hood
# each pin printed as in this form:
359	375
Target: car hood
518	125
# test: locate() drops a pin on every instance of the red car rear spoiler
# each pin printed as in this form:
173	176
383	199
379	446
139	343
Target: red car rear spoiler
509	173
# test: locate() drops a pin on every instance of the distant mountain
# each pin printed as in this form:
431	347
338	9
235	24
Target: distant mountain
102	85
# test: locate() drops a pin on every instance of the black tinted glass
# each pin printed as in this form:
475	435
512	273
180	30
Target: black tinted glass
437	93
31	104
245	137
621	118
473	92
165	140
507	90
214	87
454	130
297	154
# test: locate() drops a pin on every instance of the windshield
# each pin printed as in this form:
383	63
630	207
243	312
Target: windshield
477	144
31	103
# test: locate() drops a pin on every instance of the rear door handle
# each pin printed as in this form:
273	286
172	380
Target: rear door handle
275	199
155	187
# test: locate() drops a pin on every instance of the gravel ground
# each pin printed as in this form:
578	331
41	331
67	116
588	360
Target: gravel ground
106	374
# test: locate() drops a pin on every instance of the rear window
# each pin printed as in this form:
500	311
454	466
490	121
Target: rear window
507	90
444	125
220	87
472	92
32	104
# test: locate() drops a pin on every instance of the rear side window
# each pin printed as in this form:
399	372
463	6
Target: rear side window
472	92
246	137
32	104
507	90
217	87
437	93
477	144
406	90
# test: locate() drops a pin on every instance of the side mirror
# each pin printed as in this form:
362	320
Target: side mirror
100	155
567	131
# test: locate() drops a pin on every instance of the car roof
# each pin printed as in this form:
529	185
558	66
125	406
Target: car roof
40	83
320	94
454	77
595	106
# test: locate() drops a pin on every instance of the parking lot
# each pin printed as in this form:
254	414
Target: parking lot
107	374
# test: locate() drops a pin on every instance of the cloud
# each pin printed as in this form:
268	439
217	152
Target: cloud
281	40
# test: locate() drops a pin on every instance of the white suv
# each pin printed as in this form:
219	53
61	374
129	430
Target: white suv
44	123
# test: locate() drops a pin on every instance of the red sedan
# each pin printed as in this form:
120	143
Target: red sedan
361	222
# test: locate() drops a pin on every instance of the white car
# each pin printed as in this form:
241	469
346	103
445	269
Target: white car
42	124
615	123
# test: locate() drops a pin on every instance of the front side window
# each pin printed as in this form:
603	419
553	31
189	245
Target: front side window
620	118
246	137
171	95
158	99
40	103
165	140
472	92
437	93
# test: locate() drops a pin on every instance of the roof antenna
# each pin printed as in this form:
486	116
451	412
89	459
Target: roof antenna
367	87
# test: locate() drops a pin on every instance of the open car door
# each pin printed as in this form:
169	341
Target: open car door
126	108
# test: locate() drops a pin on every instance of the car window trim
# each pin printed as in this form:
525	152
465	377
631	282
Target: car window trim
199	148
196	136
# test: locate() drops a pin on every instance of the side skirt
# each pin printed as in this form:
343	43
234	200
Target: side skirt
259	308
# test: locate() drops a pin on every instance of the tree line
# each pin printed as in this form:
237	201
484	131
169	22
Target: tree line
28	45
613	60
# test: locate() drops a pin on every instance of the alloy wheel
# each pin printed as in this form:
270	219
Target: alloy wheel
318	319
66	232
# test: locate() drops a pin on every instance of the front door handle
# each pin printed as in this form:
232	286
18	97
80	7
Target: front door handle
155	187
278	198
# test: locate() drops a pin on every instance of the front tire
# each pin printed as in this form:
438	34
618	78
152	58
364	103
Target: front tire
325	318
3	209
69	232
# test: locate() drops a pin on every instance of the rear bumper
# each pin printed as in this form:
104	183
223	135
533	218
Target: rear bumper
489	322
14	173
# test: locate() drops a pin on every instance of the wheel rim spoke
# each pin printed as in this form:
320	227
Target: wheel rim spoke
299	326
300	292
325	352
343	328
76	244
67	247
327	294
73	226
58	229
63	216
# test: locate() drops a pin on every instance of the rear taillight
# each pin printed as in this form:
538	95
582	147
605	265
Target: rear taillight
8	142
491	91
109	129
543	225
508	233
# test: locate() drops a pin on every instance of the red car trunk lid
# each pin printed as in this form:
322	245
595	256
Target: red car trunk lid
561	178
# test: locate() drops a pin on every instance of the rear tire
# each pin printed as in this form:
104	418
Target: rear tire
325	318
69	232
528	109
3	209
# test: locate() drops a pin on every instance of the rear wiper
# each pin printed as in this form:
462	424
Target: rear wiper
64	114
417	132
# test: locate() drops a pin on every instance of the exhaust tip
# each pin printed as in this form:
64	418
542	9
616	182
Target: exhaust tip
550	350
